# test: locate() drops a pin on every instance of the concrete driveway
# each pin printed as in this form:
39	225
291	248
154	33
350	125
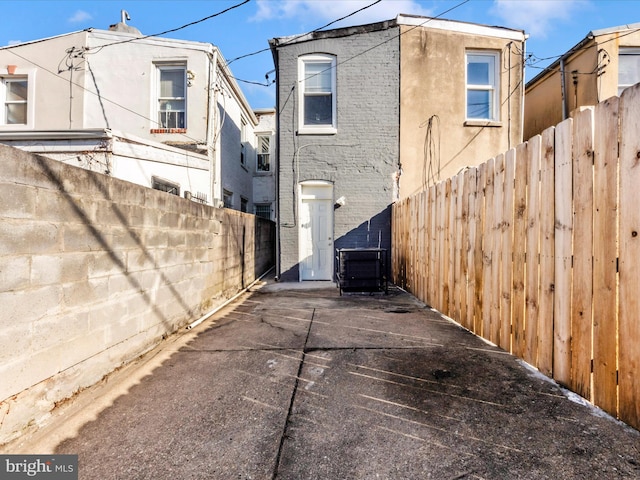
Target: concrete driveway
301	383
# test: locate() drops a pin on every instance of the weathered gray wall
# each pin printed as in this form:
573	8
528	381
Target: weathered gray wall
361	159
94	271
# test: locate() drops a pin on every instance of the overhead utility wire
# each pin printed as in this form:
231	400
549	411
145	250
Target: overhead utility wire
582	49
94	93
304	34
386	41
173	29
116	43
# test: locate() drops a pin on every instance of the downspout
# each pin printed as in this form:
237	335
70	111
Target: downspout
524	50
211	125
277	172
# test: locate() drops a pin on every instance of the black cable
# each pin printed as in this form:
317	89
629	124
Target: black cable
304	34
173	29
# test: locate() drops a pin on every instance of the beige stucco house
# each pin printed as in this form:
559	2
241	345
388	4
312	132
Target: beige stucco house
160	112
600	66
461	97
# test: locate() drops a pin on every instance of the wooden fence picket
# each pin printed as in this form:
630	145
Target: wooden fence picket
474	240
496	250
563	252
451	244
547	262
605	252
629	261
487	248
478	260
506	274
532	249
582	288
519	246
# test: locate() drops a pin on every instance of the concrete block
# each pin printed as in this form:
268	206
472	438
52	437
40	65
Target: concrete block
15	341
49	331
102	264
23	306
85	238
14	272
17	201
21	237
86	293
111	311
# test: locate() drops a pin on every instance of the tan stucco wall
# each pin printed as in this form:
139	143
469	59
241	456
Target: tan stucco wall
543	97
433	83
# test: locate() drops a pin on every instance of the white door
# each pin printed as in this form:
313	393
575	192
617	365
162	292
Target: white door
316	231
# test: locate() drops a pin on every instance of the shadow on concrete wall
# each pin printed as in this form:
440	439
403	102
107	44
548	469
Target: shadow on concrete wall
95	232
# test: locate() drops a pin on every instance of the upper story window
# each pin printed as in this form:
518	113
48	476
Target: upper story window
628	68
14	97
264	151
172	96
483	86
317	87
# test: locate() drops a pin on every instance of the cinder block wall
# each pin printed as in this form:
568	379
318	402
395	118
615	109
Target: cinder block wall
95	271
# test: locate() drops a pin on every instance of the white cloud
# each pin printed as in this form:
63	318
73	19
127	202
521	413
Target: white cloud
324	11
536	17
79	17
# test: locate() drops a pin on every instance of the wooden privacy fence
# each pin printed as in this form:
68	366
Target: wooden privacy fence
538	251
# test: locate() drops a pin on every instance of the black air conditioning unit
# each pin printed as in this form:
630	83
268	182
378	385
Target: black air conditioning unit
362	270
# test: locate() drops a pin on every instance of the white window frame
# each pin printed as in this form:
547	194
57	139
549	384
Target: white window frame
493	87
624	51
259	152
20	74
159	67
303	61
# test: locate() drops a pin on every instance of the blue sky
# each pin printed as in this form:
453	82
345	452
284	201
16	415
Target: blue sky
553	26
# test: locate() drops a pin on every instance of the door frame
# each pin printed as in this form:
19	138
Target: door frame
315	190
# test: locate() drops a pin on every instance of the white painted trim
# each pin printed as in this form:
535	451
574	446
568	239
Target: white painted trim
461	27
317	129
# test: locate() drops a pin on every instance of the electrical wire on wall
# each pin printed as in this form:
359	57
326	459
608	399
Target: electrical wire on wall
604	59
431	151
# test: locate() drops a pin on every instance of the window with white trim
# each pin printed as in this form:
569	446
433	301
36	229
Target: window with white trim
317	87
628	68
264	151
483	77
172	96
14	92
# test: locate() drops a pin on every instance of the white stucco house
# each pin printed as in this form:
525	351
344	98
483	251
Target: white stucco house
159	112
